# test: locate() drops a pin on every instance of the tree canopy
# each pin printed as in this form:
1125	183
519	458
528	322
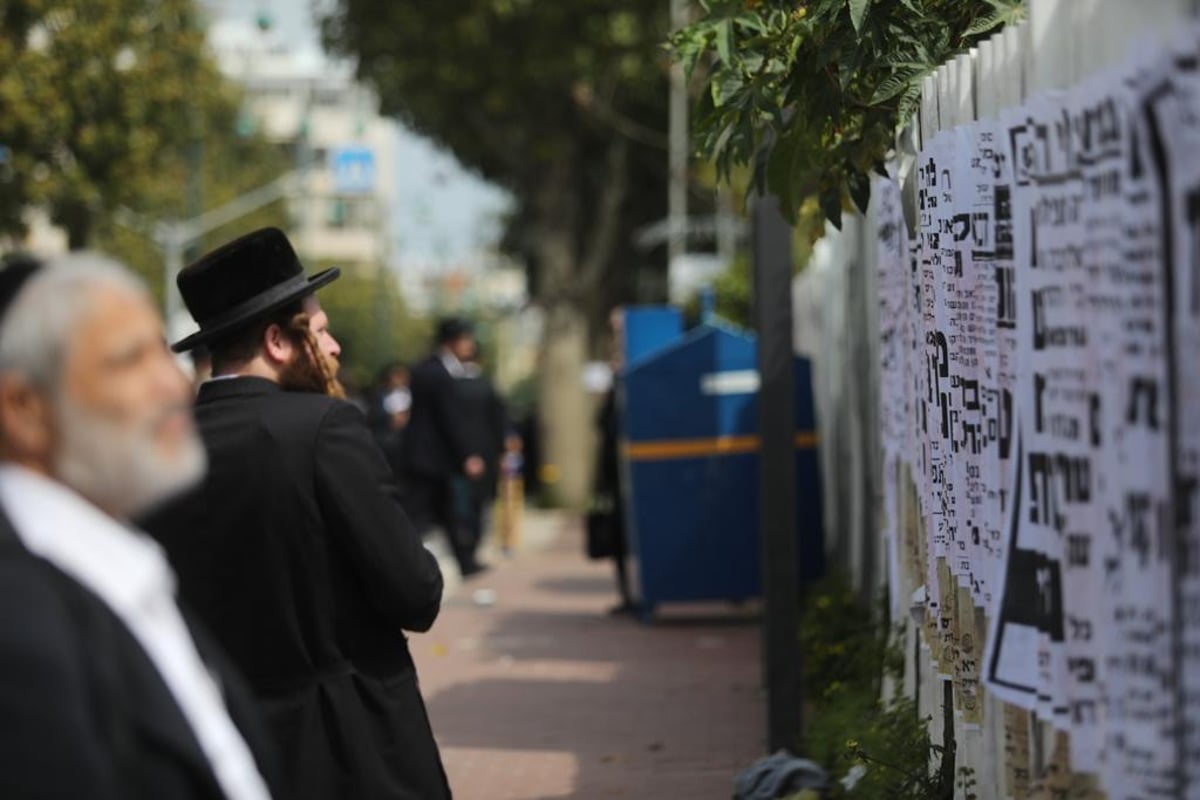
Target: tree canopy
116	104
811	94
564	104
97	98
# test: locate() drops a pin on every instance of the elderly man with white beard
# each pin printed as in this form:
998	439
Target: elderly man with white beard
106	691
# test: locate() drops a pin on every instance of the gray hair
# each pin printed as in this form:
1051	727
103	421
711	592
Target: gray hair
37	329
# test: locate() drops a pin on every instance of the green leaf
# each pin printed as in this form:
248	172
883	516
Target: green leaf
985	24
860	189
895	85
908	104
858	12
831	204
726	85
783	168
725	41
752	21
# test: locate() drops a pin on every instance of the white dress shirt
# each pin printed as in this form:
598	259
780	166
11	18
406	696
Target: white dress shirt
128	571
452	364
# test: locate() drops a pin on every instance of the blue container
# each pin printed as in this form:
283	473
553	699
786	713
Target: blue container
691	460
650	328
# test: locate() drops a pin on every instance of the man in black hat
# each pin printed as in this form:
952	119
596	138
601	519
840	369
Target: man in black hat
437	447
296	551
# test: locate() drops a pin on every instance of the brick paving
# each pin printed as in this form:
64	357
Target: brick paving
542	695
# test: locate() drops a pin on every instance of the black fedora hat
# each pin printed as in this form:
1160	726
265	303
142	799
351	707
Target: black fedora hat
241	282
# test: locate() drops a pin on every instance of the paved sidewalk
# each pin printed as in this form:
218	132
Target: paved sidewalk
540	694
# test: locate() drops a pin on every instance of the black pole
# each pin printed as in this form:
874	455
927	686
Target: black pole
777	429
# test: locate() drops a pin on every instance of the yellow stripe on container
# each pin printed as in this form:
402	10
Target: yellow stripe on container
668	449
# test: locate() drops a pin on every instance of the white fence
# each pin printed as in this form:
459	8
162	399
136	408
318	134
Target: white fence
930	460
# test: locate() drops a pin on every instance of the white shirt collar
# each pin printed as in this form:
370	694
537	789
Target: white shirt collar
117	563
453	365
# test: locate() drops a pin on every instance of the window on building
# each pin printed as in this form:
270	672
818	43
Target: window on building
351	212
328	98
335	217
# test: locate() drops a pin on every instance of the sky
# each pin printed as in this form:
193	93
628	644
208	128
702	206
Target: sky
443	213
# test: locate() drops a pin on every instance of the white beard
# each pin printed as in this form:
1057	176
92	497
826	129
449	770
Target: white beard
119	469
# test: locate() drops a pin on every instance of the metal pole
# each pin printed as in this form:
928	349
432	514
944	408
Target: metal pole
677	153
727	227
777	469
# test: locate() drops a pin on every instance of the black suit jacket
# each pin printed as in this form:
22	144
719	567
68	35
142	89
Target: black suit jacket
435	442
83	710
485	423
297	554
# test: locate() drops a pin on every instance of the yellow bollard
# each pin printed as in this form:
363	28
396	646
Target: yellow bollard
510	502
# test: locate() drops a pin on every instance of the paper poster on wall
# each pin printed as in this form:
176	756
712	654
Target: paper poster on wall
1025	644
982	432
934	401
1042	376
891	248
1184	294
1097	116
965	445
947	345
1165	574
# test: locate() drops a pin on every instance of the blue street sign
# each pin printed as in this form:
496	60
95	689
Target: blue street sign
353	169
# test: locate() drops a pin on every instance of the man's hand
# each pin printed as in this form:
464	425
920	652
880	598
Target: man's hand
474	467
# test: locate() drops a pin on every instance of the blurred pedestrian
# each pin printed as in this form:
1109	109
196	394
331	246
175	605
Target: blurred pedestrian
607	535
486	428
296	551
608	491
389	413
436	445
106	690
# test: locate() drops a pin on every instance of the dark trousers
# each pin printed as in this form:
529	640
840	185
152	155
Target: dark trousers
431	503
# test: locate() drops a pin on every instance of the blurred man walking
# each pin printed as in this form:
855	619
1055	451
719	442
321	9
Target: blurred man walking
487	431
296	551
106	691
437	448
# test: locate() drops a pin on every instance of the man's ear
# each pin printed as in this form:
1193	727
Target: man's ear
276	344
26	422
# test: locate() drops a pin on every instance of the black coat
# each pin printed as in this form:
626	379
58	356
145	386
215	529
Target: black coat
435	442
484	423
83	710
297	554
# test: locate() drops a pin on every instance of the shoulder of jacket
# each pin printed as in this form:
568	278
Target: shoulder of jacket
301	416
37	602
303	405
334	411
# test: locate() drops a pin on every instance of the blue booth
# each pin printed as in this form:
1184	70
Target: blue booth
689	406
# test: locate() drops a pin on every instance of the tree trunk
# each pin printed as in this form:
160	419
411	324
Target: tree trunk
562	402
565	407
572	267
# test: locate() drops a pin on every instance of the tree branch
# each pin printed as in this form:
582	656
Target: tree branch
603	240
601	110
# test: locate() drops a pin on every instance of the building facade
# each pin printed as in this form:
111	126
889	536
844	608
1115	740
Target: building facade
344	151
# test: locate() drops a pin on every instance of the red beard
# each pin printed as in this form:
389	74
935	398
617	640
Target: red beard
302	374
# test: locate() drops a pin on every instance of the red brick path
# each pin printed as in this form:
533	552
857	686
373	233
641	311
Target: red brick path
542	695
